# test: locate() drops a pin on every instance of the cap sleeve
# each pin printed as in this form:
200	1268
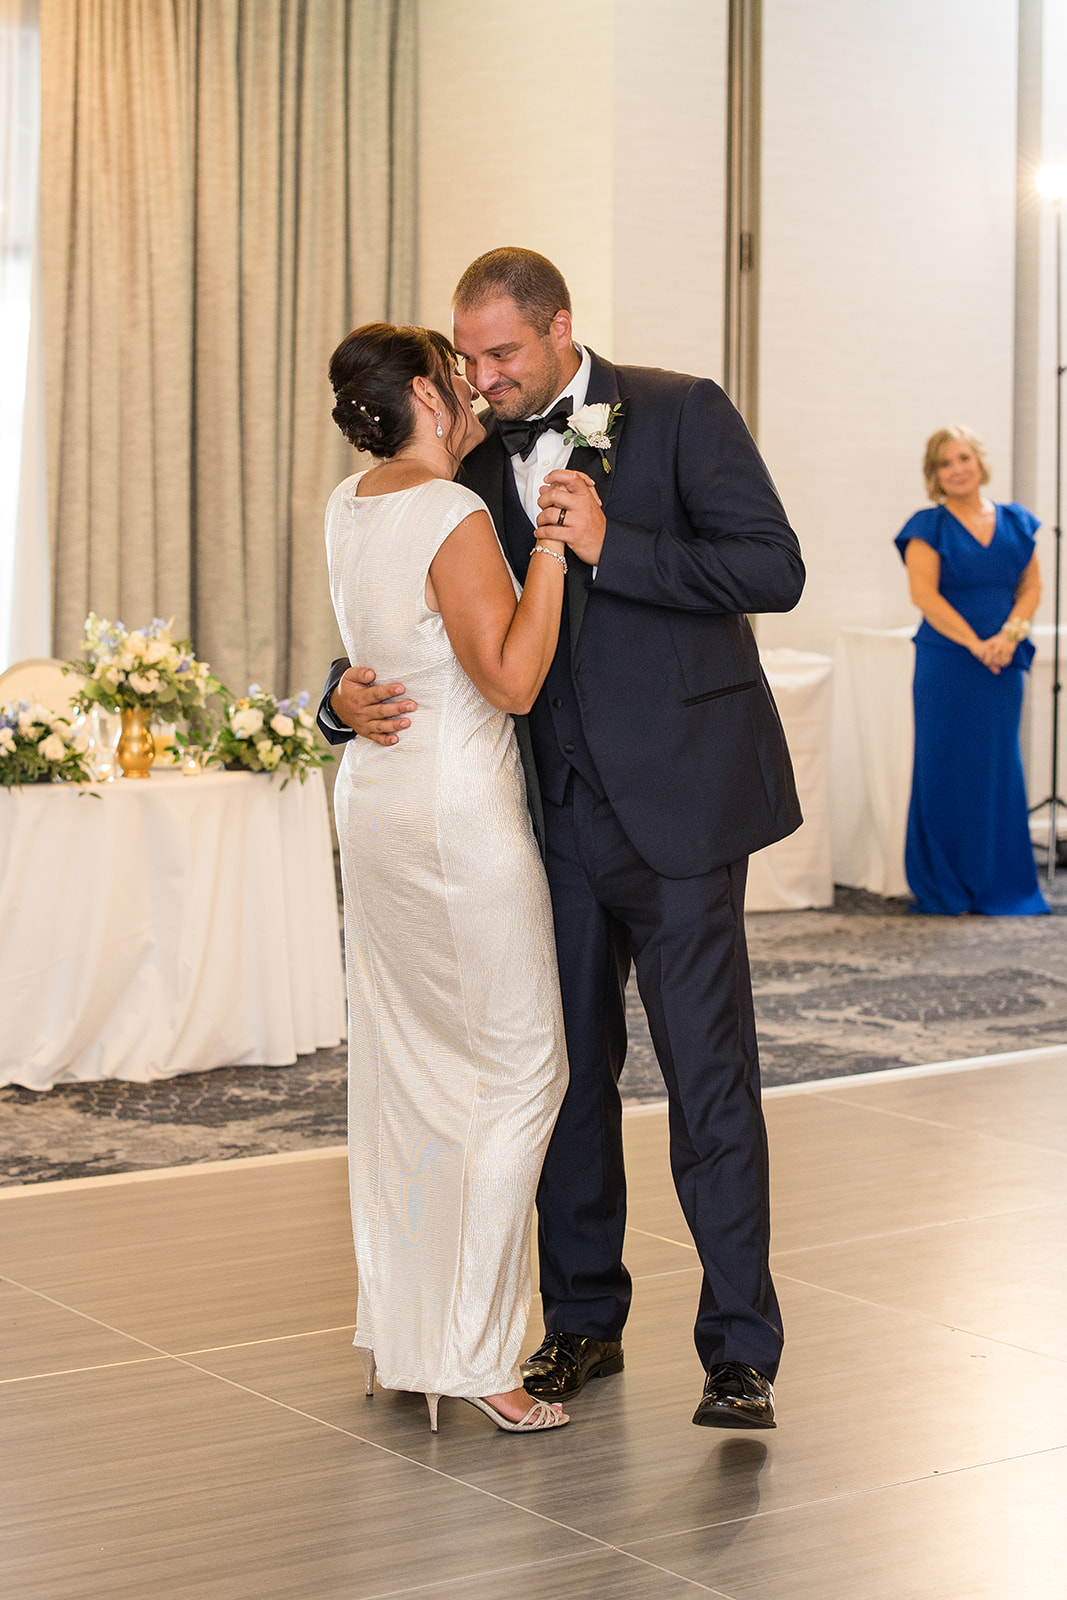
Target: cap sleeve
1024	521
924	525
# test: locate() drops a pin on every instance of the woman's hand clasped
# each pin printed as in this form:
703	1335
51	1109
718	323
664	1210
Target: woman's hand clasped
571	511
995	652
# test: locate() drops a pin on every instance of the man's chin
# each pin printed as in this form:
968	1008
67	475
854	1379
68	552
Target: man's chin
510	406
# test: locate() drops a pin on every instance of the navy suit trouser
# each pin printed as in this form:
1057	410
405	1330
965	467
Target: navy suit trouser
686	938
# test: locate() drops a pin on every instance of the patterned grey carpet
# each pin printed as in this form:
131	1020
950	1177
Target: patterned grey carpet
861	988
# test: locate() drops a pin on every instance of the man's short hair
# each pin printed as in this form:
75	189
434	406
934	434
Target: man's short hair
536	286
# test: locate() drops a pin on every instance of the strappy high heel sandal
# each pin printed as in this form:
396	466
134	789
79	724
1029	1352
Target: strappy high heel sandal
541	1415
369	1366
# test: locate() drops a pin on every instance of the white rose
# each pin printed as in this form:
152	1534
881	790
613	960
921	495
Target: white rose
591	422
270	754
246	723
282	725
144	682
27	721
155	650
7	740
305	719
52	748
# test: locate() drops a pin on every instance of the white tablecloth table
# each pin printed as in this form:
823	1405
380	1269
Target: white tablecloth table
871	754
795	873
172	925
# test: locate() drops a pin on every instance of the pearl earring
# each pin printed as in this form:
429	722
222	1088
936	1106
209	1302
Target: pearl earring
440	430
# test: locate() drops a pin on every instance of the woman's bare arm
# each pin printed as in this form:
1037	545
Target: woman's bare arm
504	647
1016	625
924	574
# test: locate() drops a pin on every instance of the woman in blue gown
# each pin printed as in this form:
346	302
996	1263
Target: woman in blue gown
974	576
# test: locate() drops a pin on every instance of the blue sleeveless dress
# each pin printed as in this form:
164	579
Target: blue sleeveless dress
968	842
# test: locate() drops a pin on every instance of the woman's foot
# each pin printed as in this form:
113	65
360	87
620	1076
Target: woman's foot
525	1415
514	1405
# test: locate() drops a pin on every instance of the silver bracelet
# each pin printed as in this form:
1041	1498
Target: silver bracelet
541	549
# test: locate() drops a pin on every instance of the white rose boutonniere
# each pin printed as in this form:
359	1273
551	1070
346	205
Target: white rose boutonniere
592	427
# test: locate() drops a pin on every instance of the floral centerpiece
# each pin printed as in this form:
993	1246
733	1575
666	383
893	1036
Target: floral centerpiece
141	673
261	734
36	746
145	669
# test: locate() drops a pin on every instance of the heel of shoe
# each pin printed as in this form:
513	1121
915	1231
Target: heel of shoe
369	1367
608	1368
432	1401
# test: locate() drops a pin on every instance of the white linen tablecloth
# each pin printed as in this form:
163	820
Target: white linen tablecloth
795	873
172	925
871	754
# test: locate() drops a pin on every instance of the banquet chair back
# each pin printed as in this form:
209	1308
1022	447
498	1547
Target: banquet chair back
41	681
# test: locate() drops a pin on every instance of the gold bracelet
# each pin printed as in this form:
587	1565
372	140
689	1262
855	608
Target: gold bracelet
541	549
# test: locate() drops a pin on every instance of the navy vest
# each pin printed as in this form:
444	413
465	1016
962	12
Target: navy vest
555	721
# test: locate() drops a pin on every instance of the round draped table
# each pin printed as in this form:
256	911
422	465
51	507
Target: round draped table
170	925
795	873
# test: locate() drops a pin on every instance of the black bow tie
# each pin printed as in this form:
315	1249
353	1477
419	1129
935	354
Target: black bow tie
519	435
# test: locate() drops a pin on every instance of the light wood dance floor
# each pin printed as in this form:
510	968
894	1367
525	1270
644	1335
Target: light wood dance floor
182	1413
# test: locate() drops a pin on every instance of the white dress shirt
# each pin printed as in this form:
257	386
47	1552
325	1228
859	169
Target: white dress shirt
549	453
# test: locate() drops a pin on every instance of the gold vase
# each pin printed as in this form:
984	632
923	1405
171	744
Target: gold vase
137	749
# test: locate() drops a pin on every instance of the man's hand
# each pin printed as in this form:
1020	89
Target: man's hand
358	702
582	529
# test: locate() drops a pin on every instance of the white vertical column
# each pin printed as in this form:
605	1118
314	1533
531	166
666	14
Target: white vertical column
669	184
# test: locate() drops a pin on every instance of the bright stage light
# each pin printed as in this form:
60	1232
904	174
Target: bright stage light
1052	183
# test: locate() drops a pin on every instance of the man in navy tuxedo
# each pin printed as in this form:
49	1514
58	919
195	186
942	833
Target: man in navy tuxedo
655	765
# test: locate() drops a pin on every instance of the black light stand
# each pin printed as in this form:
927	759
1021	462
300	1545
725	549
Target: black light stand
1054	801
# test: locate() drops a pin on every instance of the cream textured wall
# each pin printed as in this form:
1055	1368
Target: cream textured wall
593	132
514	102
670	184
887	276
1053	153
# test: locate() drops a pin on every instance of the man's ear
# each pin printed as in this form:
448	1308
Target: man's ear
561	330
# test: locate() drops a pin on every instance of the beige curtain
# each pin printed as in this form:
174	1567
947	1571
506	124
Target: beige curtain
228	186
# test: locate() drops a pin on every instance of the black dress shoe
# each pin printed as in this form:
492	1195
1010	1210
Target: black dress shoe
561	1365
735	1396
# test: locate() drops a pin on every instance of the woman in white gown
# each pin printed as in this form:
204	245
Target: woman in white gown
457	1062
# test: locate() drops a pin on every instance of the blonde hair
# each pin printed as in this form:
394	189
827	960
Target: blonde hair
937	442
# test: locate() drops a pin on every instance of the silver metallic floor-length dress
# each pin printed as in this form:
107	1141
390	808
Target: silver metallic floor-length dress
457	1063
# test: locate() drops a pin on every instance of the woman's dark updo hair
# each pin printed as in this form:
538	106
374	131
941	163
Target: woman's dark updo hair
372	372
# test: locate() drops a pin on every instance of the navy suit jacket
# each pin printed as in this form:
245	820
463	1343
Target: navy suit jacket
657	651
